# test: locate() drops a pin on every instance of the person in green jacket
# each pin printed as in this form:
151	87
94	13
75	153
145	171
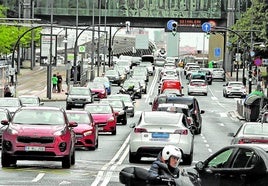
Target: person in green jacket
54	83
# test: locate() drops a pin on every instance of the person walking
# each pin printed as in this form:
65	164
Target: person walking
59	82
54	83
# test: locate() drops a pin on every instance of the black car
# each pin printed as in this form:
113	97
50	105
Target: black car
191	101
208	74
118	106
244	164
77	97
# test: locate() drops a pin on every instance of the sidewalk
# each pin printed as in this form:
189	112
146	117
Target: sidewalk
34	82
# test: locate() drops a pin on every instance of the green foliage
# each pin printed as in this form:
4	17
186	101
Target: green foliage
254	19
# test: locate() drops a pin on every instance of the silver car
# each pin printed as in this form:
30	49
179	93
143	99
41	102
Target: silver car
218	73
156	129
128	102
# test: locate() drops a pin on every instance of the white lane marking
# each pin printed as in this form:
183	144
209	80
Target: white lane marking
221	124
151	89
223	115
65	183
38	177
105	167
214	98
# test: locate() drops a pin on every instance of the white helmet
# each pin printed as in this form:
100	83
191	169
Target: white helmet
171	150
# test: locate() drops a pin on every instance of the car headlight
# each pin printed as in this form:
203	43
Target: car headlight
59	132
87	133
121	112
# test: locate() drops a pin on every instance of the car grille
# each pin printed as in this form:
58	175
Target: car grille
101	124
27	139
78	135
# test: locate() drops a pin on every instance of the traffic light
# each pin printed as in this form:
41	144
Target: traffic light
128	26
174	26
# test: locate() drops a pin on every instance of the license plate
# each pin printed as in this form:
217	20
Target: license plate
29	148
78	104
160	135
100	128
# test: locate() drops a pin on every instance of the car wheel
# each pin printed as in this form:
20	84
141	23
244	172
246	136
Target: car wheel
133	158
223	94
189	93
226	95
66	162
73	158
6	160
145	92
187	160
210	83
198	130
97	143
205	94
114	132
68	107
132	115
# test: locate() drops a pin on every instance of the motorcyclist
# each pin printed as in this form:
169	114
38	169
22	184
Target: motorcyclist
166	164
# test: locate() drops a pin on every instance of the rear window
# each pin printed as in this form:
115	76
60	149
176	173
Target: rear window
181	101
256	129
157	119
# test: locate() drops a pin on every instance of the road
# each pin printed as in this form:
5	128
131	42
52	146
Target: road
102	166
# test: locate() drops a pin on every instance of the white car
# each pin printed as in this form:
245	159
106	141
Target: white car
197	86
234	88
218	73
156	129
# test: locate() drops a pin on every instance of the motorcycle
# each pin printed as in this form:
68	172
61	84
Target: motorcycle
134	93
133	176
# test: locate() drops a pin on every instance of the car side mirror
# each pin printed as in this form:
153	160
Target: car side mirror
72	124
202	112
199	166
4	122
116	113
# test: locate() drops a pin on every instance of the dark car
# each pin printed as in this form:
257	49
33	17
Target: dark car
4	115
243	164
208	74
192	103
78	97
114	77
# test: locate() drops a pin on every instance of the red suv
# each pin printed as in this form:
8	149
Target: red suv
38	133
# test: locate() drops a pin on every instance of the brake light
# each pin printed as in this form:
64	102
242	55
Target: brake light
140	130
242	141
181	132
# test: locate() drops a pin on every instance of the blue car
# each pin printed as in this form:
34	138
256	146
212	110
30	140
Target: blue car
106	83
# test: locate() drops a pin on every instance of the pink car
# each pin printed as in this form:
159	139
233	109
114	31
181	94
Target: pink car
104	116
38	133
98	90
86	132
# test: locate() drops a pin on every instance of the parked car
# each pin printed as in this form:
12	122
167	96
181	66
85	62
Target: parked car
118	106
30	100
156	129
4	115
105	81
234	88
86	132
240	164
98	90
197	86
104	117
191	101
127	101
10	103
78	97
250	132
38	133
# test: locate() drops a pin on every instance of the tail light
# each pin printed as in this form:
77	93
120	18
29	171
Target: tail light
181	132
242	141
140	130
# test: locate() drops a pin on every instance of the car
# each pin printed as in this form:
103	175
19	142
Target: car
149	66
105	81
190	69
118	106
154	130
234	88
250	132
137	91
38	133
143	83
128	102
191	101
104	116
86	132
197	86
78	97
218	73
180	108
140	71
187	65
4	115
30	100
208	74
125	63
98	90
171	84
122	71
159	62
239	164
10	103
114	76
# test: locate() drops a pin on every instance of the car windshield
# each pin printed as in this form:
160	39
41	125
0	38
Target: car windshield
111	72
256	129
34	116
79	91
236	84
157	119
29	100
9	102
98	109
79	118
116	103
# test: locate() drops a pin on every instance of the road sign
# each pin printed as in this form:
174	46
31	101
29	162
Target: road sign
206	27
170	24
82	49
217	52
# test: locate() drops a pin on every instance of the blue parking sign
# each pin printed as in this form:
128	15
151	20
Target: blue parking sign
217	52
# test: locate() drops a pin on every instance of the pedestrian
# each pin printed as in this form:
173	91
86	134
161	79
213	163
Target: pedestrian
54	83
59	82
7	91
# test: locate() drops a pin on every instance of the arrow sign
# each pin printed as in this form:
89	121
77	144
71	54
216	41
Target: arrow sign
206	27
